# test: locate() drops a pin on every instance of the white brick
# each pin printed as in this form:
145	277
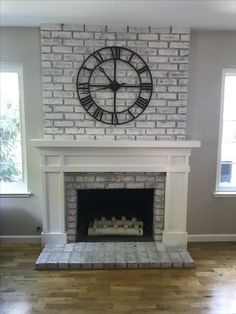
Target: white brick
158	44
62	94
52	101
73	27
176	117
46	64
51	27
95	43
63	109
95	28
51	56
57	34
74	116
138	29
118	29
53	116
169	37
160	30
168	52
52	72
45	34
51	42
185	37
73	42
147	36
178	59
45	49
82	35
95	131
180	30
137	43
178	74
63	123
108	36
51	86
156	117
177	103
177	89
126	36
168	67
74	131
62	79
62	49
158	59
179	45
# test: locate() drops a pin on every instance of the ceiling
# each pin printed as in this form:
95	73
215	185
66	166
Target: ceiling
197	14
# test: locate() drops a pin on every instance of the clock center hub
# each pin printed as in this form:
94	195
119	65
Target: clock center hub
115	86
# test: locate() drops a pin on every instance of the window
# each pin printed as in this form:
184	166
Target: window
226	181
12	148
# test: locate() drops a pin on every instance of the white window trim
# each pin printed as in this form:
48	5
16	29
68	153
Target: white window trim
17	189
222	191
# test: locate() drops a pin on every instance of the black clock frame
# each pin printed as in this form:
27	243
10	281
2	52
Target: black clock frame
88	101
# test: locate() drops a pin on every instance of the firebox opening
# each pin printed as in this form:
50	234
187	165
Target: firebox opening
130	208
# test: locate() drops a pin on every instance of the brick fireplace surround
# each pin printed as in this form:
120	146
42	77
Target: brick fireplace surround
76	144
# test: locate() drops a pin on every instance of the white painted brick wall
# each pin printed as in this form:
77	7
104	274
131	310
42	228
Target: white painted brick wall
64	47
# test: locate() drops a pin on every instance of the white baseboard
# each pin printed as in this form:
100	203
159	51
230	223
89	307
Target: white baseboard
211	237
20	239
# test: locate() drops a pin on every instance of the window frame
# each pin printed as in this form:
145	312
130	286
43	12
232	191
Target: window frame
219	190
17	189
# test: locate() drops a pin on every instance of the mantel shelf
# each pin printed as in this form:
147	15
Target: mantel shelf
41	143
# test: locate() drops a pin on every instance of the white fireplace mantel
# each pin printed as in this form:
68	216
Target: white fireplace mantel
60	156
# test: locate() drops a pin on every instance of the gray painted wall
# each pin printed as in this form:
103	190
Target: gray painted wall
20	216
210	51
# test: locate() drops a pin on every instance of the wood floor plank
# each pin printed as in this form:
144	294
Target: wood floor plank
210	288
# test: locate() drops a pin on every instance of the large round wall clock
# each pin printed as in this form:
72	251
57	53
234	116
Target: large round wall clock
114	85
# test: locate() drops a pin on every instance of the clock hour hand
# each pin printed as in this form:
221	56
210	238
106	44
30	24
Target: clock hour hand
94	90
103	71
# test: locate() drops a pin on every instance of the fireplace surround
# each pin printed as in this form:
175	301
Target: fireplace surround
128	194
60	156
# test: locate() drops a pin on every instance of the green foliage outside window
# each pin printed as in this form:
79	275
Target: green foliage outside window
10	171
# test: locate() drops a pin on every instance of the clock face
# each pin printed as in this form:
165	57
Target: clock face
114	85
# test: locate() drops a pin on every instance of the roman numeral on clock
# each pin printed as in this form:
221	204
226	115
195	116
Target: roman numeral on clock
143	69
115	52
114	119
84	87
141	102
98	113
86	69
98	56
87	102
146	86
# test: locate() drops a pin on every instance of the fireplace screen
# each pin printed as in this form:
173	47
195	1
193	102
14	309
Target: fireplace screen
123	214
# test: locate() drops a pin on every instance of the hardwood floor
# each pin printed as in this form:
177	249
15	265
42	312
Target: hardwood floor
209	288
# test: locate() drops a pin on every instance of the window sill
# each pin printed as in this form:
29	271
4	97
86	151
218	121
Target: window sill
224	194
16	195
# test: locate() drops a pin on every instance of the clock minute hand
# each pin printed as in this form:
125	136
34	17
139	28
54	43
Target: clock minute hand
103	71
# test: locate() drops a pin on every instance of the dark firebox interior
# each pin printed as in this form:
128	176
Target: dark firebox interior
95	203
